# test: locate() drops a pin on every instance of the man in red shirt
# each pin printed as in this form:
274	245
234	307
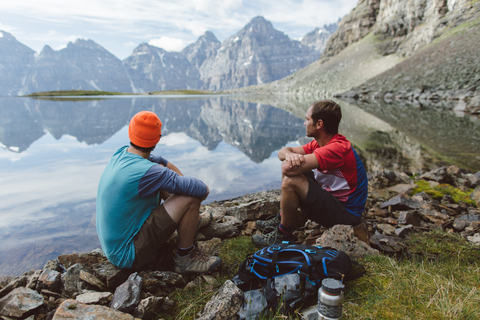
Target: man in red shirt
324	178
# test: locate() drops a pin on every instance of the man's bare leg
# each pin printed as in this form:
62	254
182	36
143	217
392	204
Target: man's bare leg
184	210
294	190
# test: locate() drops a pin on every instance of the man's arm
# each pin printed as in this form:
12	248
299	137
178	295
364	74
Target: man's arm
295	156
171	166
310	162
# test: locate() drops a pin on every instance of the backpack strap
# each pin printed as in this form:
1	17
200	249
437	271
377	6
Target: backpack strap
273	269
357	275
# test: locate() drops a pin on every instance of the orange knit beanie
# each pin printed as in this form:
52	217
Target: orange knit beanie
145	129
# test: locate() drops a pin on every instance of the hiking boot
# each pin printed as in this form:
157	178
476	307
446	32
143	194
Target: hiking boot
196	262
205	219
269	222
267	239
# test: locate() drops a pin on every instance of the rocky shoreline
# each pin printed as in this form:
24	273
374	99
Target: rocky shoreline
462	102
86	284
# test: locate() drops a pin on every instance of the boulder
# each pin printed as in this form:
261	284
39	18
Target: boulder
68	260
225	304
101	298
19	302
400	203
127	295
75	310
342	238
50	280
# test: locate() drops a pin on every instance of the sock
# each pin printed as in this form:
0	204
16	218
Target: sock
184	251
286	231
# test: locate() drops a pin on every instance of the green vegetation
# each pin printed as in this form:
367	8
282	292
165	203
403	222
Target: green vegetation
439	191
439	278
77	93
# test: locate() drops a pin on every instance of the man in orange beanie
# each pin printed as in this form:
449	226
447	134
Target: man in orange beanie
132	225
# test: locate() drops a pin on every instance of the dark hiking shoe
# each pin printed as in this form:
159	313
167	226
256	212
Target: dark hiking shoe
205	219
268	223
196	262
267	239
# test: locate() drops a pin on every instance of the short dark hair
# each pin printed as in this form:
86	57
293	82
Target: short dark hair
142	148
330	112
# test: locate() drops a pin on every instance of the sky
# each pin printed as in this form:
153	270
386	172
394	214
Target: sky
121	25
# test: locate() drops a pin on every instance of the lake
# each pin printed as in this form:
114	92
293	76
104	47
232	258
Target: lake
54	152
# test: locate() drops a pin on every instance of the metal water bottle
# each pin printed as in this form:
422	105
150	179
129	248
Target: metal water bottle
330	299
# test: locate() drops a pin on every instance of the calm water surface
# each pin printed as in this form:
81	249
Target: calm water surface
54	152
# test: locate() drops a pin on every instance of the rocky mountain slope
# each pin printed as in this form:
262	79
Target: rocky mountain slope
394	48
256	54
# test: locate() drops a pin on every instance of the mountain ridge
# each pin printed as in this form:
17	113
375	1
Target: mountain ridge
85	65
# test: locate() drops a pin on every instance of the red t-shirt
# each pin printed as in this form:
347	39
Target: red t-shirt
341	172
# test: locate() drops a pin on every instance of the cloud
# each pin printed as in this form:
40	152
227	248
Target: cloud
168	24
169	44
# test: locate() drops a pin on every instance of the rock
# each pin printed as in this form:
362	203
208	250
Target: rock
50	280
92	280
75	310
71	280
459	225
127	295
110	274
254	210
17	282
87	259
223	230
403	231
225	304
171	279
409	217
53	265
476	196
403	188
102	298
148	308
342	238
440	175
400	203
386	228
19	302
386	244
475	239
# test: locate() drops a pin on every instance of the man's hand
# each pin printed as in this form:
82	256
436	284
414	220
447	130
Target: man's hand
295	160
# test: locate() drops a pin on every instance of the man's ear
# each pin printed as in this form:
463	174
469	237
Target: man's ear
319	123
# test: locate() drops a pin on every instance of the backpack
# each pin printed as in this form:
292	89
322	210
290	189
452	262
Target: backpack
299	268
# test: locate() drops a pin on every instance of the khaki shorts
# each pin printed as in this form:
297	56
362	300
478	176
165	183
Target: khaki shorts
150	240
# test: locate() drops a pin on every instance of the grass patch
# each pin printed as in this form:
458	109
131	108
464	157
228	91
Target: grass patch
419	287
439	191
80	93
438	279
64	93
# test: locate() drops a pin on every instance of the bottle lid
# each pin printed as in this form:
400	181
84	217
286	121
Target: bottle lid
332	286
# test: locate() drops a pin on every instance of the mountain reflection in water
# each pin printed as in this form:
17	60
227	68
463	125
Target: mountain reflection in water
55	151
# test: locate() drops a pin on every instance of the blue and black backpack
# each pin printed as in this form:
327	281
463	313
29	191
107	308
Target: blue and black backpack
312	264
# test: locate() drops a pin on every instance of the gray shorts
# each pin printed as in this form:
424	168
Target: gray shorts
322	207
150	240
